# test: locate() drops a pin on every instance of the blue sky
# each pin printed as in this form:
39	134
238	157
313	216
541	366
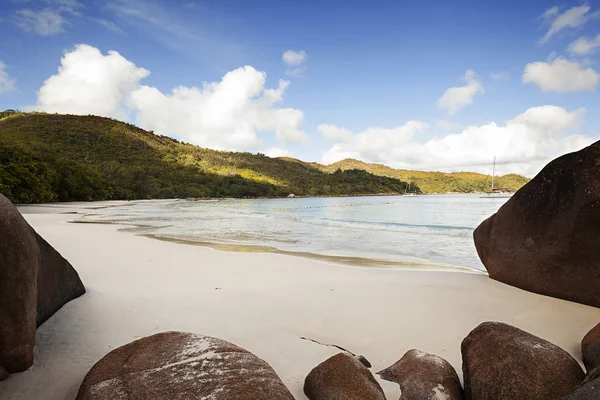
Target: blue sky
442	85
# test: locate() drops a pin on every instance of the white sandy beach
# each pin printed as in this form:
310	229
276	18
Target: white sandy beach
265	303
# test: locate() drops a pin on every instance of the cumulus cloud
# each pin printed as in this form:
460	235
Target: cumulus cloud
574	17
584	45
522	145
455	98
7	84
295	61
377	144
275	152
447	125
561	75
89	82
44	23
227	114
335	134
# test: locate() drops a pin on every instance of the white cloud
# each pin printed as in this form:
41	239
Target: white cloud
293	58
44	23
574	17
375	144
561	75
275	152
447	124
550	13
47	21
7	84
500	76
455	98
296	61
522	145
226	115
584	45
333	133
89	82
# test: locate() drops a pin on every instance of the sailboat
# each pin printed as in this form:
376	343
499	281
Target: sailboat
407	192
496	193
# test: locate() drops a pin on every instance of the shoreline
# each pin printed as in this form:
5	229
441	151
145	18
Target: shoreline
345	260
348	261
265	303
127	201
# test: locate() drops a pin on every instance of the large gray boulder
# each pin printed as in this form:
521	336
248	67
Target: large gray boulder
504	362
35	282
546	238
182	366
342	377
424	376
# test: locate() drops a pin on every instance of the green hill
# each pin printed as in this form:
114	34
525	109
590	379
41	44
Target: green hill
53	157
434	182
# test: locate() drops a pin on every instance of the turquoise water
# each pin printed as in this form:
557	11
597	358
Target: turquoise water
422	229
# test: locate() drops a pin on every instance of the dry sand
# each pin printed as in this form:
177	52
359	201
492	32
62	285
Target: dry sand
265	303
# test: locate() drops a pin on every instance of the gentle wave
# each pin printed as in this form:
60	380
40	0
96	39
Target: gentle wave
436	229
407	225
354	261
389	226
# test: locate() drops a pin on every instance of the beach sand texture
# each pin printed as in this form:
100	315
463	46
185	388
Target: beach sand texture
265	303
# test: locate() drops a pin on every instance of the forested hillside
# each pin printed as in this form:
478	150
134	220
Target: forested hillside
53	157
435	182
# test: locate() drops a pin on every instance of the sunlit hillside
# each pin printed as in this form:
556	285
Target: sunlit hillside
52	157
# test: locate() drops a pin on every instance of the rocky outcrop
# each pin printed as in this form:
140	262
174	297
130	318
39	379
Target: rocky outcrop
342	377
182	366
35	282
57	282
424	376
504	362
19	263
546	238
589	389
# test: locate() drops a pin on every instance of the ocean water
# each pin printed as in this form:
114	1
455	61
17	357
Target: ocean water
419	231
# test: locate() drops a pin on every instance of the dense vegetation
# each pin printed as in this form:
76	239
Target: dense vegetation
46	157
435	182
52	157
